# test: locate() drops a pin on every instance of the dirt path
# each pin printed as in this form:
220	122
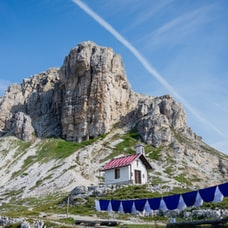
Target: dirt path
56	217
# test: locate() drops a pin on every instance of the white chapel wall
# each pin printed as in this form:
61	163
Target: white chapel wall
124	176
140	166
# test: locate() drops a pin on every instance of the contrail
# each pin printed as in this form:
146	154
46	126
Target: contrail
144	62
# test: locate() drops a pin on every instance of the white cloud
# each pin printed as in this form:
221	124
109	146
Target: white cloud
149	11
179	28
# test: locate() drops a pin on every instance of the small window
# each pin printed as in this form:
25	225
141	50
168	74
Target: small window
117	173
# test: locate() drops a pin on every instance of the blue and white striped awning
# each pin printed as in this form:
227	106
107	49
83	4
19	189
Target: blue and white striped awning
172	202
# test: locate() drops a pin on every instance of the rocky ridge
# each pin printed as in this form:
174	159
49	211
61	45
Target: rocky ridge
88	97
85	98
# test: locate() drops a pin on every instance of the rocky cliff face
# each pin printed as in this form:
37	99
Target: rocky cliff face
95	92
85	98
28	111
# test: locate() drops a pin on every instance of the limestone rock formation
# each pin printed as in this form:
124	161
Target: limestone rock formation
22	127
95	92
154	119
33	98
85	98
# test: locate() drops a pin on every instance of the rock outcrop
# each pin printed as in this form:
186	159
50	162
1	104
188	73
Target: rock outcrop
85	98
33	99
22	127
95	92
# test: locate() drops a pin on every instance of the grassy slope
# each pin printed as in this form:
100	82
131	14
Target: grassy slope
59	149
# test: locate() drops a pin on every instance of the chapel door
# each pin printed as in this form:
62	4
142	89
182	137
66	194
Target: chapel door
138	179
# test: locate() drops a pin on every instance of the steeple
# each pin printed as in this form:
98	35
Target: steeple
139	149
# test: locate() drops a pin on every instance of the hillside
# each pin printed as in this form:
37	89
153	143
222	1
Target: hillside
50	166
59	127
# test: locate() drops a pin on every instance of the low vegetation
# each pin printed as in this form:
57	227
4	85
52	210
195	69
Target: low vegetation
59	149
126	146
31	208
49	149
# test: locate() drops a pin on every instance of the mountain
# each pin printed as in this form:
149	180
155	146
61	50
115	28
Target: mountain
59	127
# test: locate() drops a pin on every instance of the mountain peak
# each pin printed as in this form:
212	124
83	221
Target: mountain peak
85	98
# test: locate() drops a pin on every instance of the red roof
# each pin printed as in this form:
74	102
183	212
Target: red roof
124	161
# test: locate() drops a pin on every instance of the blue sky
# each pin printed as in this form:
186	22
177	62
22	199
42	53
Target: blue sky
177	47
